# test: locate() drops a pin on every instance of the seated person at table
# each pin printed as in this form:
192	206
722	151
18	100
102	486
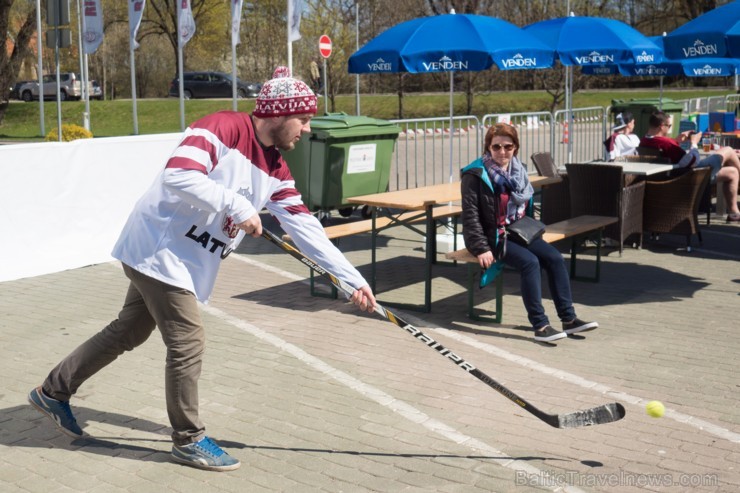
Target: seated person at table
724	163
495	192
622	141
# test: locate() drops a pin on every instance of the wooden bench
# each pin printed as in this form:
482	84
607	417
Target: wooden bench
574	229
338	231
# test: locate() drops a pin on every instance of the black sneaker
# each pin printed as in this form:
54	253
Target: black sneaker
578	325
548	334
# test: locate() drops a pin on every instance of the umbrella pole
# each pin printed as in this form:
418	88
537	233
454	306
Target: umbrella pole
660	101
569	100
451	122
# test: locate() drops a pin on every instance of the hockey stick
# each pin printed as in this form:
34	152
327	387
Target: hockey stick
587	417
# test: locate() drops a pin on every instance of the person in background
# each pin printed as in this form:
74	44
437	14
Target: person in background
226	169
724	162
316	81
495	192
622	142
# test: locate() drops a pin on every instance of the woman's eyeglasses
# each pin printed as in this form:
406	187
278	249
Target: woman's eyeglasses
506	147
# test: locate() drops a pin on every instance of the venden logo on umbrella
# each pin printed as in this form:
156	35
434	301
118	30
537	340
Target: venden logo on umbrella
700	49
518	61
445	64
651	70
644	58
707	70
380	65
594	57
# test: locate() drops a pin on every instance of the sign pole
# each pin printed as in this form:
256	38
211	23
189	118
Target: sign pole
325	51
326	99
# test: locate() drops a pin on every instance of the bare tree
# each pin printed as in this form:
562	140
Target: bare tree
10	64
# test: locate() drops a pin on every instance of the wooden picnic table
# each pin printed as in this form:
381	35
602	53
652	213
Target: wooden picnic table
424	200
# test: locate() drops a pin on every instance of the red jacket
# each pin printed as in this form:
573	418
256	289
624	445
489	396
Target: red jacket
671	149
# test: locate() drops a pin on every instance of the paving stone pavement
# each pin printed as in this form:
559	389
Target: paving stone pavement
312	395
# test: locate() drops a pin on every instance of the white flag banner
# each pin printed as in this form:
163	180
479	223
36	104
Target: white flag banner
92	34
295	10
236	20
185	21
135	12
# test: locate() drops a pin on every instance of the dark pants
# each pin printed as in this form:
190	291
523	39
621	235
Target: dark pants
149	303
528	260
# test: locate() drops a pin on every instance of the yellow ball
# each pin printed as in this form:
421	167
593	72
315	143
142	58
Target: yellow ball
656	409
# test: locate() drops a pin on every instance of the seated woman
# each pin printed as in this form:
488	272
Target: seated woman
622	141
495	192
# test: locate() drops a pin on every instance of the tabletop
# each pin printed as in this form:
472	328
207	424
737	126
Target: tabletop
421	197
637	168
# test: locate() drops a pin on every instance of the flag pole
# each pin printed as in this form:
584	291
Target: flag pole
233	76
181	84
133	88
236	18
290	43
40	68
357	48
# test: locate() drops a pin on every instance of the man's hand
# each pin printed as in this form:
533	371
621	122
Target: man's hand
364	298
252	226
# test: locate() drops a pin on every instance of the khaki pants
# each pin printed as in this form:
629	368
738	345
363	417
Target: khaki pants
149	303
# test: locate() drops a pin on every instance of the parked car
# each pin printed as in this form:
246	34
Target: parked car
96	92
14	91
70	87
212	85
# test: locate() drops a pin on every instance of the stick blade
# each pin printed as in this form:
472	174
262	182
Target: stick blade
607	413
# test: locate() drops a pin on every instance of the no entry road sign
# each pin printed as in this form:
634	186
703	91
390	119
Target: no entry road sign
325	46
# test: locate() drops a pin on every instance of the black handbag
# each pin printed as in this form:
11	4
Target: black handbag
525	230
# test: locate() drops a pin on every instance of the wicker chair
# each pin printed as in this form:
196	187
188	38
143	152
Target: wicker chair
652	155
599	189
556	201
672	206
544	163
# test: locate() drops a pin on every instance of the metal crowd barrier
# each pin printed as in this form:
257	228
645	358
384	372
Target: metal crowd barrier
428	153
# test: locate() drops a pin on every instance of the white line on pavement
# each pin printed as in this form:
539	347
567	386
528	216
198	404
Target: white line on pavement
695	422
388	401
590	385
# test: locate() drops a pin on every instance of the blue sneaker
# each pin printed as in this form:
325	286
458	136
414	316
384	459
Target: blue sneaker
204	454
57	411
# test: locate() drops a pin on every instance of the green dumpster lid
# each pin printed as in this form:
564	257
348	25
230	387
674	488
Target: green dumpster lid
344	121
643	102
342	124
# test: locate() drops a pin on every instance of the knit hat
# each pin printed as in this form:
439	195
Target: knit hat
283	95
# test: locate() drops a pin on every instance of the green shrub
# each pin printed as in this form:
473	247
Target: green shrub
69	132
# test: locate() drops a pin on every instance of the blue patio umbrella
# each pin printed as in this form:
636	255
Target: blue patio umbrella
714	34
689	67
593	41
451	43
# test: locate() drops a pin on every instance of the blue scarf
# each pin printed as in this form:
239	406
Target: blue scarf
515	181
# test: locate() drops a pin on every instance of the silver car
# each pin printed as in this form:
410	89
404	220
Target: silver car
70	88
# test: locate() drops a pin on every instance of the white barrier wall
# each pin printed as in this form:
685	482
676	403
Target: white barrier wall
63	204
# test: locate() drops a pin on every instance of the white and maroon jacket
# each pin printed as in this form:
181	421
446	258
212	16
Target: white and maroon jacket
218	176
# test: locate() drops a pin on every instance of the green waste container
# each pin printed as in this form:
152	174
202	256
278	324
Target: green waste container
342	156
641	109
